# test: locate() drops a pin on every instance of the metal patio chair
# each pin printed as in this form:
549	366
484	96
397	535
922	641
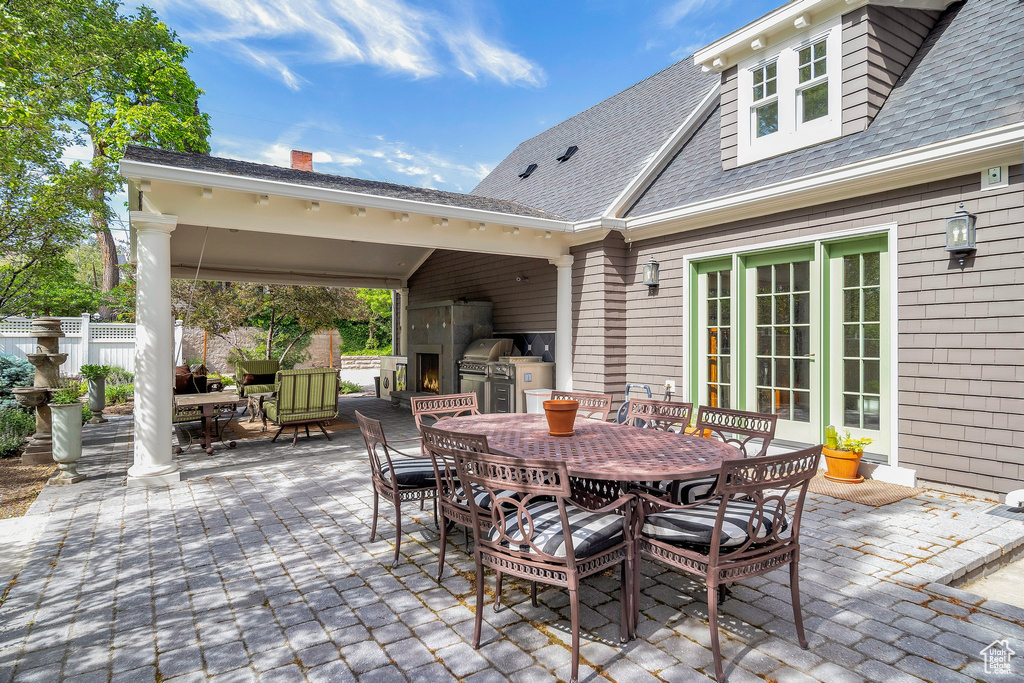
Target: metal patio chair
664	416
738	428
452	503
427	410
541	536
593	406
747	528
404	477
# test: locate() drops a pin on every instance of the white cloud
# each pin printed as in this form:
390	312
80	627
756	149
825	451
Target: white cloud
392	34
681	9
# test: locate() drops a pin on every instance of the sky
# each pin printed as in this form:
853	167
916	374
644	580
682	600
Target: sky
432	94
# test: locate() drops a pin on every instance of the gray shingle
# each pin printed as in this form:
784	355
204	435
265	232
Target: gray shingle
325	180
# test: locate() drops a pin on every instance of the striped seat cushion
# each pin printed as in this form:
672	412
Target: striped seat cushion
690	491
483	499
695	526
410	473
591	532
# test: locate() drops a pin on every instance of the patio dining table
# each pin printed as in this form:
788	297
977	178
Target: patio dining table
598	450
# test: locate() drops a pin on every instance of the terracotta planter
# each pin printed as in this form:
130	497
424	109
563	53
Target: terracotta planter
561	417
842	465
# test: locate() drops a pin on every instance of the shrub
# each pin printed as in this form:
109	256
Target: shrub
119	376
15	424
66	393
386	351
14	372
354	336
86	413
119	393
347	387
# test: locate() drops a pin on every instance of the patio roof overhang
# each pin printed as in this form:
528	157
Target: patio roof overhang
237	228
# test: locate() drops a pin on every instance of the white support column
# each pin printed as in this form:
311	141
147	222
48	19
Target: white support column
404	320
154	352
563	323
86	338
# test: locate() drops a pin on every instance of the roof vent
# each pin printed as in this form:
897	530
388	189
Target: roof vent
568	153
528	170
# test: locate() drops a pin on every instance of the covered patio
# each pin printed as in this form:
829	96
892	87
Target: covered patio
257	565
216	219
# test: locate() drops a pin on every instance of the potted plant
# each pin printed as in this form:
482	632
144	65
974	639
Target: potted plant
97	377
66	414
842	456
561	416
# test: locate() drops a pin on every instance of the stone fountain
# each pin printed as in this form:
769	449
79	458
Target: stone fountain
47	361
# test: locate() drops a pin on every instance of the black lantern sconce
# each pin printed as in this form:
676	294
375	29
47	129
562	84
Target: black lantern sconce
652	272
960	239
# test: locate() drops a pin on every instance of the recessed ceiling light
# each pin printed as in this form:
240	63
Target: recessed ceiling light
401	263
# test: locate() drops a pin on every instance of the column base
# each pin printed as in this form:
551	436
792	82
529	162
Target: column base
153	479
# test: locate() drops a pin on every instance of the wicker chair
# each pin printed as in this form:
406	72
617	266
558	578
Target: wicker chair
406	477
735	427
593	406
541	536
453	505
664	416
746	529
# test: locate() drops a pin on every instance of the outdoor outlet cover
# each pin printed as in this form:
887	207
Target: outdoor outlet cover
995	175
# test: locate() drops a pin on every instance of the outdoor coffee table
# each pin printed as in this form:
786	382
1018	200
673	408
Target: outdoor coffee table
212	405
602	451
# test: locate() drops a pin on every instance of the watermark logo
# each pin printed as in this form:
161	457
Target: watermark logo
997	657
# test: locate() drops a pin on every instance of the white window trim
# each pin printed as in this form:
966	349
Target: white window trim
793	134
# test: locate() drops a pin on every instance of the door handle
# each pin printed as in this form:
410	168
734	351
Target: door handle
808	355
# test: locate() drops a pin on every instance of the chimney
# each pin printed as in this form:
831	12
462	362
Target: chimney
302	161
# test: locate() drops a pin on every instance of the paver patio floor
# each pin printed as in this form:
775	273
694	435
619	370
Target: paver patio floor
257	566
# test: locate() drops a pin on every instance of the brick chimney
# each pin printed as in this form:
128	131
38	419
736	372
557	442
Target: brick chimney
302	161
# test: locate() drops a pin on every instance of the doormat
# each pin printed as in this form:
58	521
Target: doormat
869	492
1016	513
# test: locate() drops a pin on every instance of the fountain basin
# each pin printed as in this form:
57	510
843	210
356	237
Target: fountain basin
32	397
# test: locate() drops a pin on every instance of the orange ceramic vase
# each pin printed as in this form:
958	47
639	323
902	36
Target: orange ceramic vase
561	416
842	466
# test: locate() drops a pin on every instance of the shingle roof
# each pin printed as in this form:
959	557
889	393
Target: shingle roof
615	138
325	180
967	77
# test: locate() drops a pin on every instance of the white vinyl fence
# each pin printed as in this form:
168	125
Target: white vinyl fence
84	341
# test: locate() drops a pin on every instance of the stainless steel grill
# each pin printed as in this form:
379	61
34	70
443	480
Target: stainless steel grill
474	368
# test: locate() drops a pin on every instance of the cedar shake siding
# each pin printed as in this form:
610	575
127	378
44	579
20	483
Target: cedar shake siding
960	333
730	117
599	315
525	306
878	44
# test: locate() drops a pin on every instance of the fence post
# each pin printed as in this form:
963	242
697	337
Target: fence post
178	331
86	332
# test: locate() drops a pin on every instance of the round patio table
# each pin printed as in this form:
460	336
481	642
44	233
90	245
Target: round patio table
599	450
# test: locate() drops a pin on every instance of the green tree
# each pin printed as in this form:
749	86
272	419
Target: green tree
100	78
376	307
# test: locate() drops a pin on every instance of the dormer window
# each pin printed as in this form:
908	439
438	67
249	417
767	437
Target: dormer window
813	75
766	99
568	154
784	99
525	173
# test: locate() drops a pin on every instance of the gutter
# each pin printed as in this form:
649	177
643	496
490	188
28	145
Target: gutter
139	170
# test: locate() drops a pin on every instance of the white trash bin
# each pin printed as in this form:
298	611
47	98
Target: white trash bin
535	400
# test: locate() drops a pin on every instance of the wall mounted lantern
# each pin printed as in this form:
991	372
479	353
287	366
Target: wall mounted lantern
652	272
960	240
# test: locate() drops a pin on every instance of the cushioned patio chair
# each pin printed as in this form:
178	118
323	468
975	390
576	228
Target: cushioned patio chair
750	526
303	397
427	410
452	504
256	376
397	476
593	406
665	416
540	535
751	433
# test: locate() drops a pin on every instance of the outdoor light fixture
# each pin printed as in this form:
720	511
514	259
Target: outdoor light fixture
651	273
960	233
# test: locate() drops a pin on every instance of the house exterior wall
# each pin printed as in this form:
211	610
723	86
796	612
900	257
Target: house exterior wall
960	334
730	117
527	305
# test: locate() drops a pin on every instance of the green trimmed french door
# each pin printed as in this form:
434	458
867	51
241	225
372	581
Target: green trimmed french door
801	333
783	341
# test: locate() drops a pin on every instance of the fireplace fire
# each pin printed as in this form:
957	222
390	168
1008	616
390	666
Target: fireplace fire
428	368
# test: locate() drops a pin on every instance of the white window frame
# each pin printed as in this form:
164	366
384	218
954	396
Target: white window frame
766	99
793	133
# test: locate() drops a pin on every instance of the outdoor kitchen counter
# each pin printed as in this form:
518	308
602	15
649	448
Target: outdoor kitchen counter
599	450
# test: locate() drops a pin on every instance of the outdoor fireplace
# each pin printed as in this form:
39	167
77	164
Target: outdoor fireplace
428	373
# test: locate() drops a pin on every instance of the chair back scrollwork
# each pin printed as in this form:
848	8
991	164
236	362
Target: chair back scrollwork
742	429
663	416
593	406
427	410
441	446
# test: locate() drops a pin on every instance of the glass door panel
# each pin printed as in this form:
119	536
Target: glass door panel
715	338
783	334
